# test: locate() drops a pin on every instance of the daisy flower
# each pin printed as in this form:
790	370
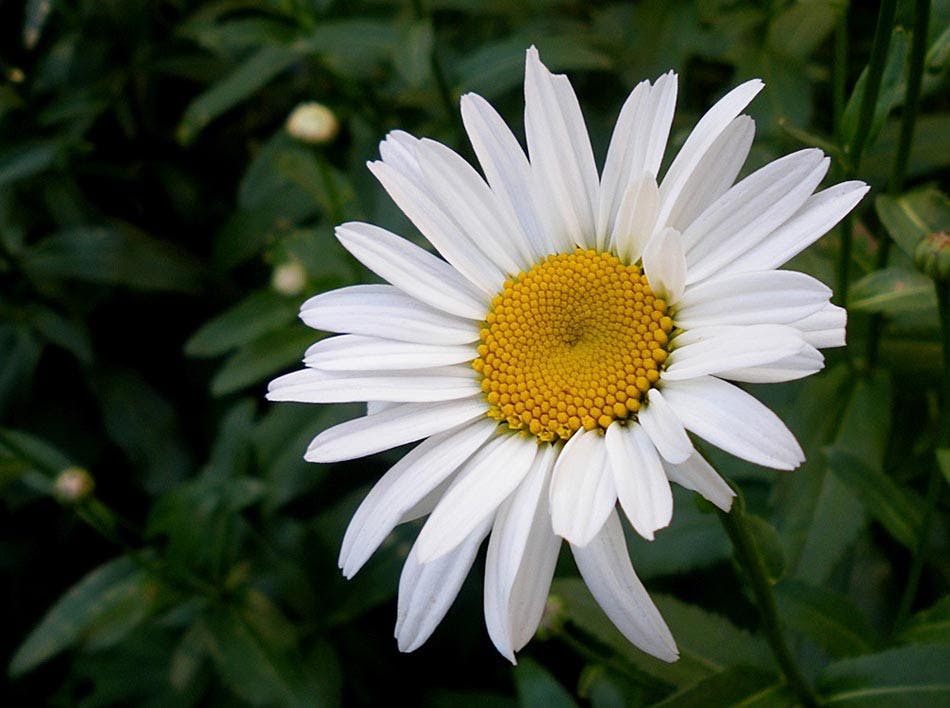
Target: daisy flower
575	329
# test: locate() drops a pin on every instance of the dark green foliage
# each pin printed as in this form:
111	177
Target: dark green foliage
159	228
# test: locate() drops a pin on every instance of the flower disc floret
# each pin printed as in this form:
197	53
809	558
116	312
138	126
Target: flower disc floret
574	342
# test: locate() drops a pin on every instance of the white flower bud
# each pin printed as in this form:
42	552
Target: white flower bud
73	485
289	278
313	123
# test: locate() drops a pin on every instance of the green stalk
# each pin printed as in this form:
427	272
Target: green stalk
918	53
839	72
752	563
934	481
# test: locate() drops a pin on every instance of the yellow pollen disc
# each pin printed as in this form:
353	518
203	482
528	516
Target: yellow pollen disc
574	342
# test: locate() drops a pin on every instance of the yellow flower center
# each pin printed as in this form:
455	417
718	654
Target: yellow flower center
576	341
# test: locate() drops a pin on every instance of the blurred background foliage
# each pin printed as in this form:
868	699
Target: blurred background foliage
163	542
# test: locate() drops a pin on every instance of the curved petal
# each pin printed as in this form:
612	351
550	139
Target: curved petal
522	553
427	590
390	427
507	170
825	328
750	210
447	383
636	146
818	215
482	484
635	220
731	419
703	136
605	566
805	362
559	148
387	312
714	173
664	428
354	352
665	265
714	349
767	297
642	486
698	475
406	483
582	489
413	270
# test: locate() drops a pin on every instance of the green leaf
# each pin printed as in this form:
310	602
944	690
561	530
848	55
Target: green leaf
733	687
27	160
353	48
34	20
94	597
413	58
114	256
893	291
798	30
830	619
913	215
909	677
943	461
56	329
243	82
259	313
267	355
769	544
929	626
882	497
537	687
893	88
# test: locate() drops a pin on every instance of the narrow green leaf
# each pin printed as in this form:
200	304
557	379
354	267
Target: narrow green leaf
27	160
908	677
929	626
68	334
943	460
243	82
74	613
537	687
259	313
769	544
269	354
883	498
913	215
802	26
34	20
114	256
830	619
413	59
893	290
733	687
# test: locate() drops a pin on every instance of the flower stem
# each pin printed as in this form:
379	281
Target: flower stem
918	52
934	481
749	557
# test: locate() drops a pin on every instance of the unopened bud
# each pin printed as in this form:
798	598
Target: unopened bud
313	123
289	278
932	256
73	485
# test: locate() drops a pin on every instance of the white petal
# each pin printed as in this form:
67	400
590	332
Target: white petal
506	168
750	211
399	151
635	219
406	483
825	328
714	173
354	352
439	228
768	297
700	140
636	146
731	419
818	215
389	428
379	406
726	347
427	590
582	489
664	428
664	264
699	476
642	486
412	269
473	206
447	383
559	148
805	362
605	566
385	311
481	485
519	565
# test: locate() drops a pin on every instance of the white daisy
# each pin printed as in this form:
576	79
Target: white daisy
577	328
